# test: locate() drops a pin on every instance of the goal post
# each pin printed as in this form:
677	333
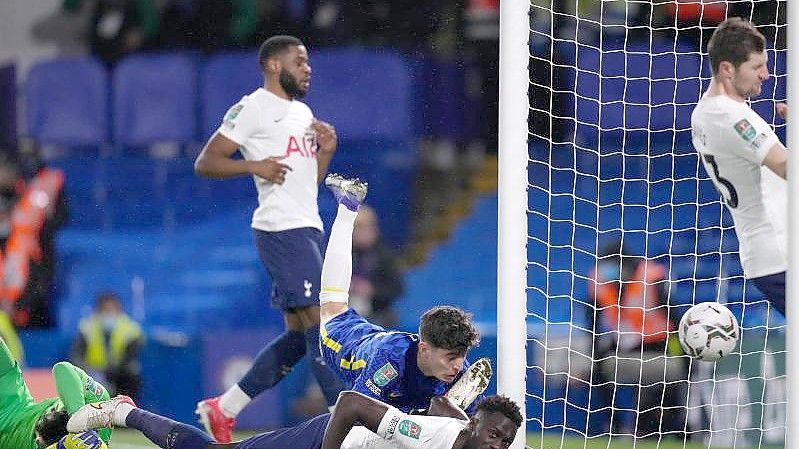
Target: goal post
512	239
792	300
600	151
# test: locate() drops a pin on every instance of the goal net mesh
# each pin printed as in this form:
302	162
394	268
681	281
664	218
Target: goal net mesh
617	192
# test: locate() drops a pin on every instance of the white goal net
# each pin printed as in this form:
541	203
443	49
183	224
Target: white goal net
616	194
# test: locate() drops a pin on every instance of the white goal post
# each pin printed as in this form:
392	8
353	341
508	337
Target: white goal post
792	299
609	156
512	238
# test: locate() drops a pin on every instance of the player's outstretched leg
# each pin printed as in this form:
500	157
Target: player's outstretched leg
337	266
350	193
473	383
272	364
110	413
122	412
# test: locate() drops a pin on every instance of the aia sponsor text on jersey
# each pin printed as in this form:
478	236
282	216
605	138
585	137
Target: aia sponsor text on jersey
304	146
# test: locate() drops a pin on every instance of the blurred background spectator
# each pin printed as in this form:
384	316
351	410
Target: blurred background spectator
635	333
481	44
108	344
31	211
376	276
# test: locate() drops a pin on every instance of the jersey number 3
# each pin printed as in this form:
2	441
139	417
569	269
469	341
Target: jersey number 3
732	200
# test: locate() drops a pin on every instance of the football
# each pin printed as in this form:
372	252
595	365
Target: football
708	331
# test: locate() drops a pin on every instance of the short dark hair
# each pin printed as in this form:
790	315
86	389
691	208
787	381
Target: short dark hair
501	404
733	41
449	328
52	426
104	297
276	45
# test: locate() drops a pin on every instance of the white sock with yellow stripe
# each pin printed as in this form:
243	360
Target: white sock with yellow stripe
337	267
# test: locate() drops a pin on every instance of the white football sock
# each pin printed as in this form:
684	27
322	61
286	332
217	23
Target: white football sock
233	401
337	267
121	413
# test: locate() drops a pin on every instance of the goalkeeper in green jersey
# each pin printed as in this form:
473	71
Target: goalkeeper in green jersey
27	424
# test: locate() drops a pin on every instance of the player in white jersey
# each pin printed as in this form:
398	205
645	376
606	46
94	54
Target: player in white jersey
743	156
287	152
493	426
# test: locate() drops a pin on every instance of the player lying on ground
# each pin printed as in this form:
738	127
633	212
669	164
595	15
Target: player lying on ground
401	369
27	424
493	425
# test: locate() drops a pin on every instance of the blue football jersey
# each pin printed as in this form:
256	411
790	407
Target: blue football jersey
378	363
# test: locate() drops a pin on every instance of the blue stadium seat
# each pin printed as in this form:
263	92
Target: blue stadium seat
155	100
224	79
367	94
644	88
67	102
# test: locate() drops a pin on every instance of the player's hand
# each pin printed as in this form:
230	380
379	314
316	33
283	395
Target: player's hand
325	136
271	169
782	110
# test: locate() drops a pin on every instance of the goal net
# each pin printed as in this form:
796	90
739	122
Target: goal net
616	193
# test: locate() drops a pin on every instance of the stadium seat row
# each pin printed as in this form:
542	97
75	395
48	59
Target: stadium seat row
649	88
179	97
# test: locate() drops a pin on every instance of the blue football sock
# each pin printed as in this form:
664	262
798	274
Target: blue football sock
330	383
167	433
273	363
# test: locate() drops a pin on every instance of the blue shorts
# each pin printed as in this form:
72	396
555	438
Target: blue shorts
340	339
293	259
306	435
773	286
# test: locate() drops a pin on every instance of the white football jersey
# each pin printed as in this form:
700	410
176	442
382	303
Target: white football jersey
411	432
265	125
732	141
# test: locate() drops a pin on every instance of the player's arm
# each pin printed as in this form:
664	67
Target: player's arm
69	384
241	122
352	408
327	140
215	161
777	160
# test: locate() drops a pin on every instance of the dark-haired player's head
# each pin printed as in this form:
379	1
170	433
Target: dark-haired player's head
286	58
737	53
494	423
51	427
446	335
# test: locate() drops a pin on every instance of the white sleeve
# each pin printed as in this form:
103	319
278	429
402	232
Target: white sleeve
241	121
752	137
403	431
427	432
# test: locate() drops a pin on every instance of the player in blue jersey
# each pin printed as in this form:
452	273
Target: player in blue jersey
493	426
402	369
